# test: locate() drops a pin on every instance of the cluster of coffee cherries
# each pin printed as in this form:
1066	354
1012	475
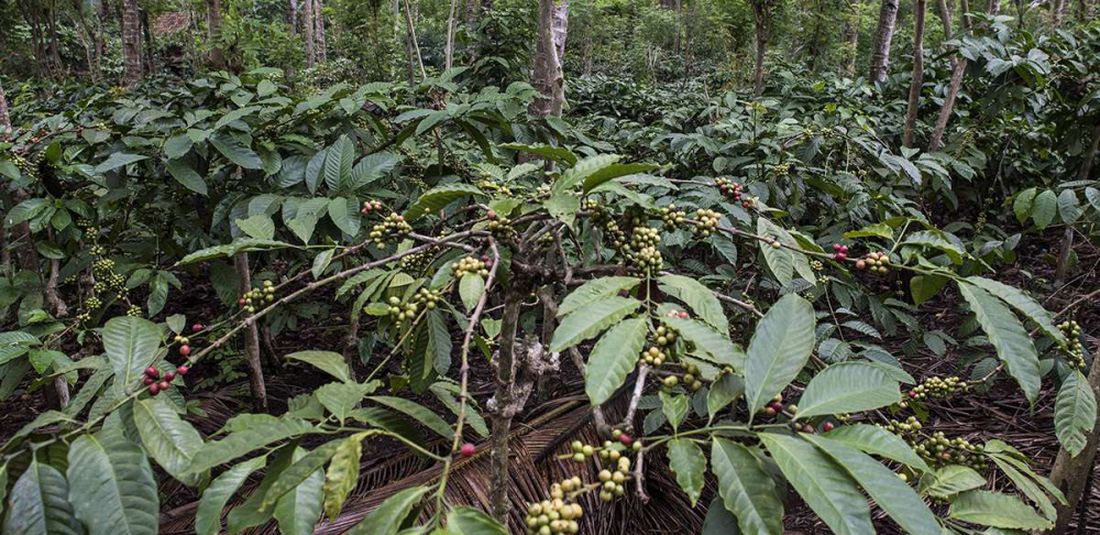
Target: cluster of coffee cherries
690	378
559	514
158	383
134	311
1072	332
402	311
369	207
904	427
470	264
705	222
499	225
657	353
938	450
840	252
257	296
414	261
642	250
185	344
937	387
875	261
733	190
392	227
776	407
427	297
672	216
490	185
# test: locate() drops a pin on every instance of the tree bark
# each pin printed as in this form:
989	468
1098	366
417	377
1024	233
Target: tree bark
761	12
307	32
1070	474
502	418
546	76
1090	157
5	116
216	58
1082	10
319	31
412	46
131	43
851	43
880	56
935	142
449	48
293	17
943	11
993	7
1058	11
251	339
918	73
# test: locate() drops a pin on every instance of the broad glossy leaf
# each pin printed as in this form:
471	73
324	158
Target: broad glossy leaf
1008	337
236	150
112	488
613	358
595	290
170	440
217	495
418	412
342	473
698	297
471	521
747	490
39	504
305	465
329	362
1044	208
470	288
847	387
823	484
386	519
878	441
995	509
689	464
1023	303
298	510
131	345
779	349
341	398
437	198
239	443
709	343
950	480
1074	413
591	320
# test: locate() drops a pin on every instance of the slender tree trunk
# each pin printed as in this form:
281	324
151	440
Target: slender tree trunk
993	7
214	33
131	43
293	17
967	22
1086	165
307	32
547	77
1058	11
1071	474
5	116
943	11
319	31
412	46
761	19
1082	10
146	43
880	56
251	340
918	73
851	45
449	48
935	142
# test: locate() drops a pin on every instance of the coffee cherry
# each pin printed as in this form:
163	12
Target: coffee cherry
183	369
198	327
185	350
148	380
770	411
163	385
168	376
154	389
152	372
626	439
828	426
468	450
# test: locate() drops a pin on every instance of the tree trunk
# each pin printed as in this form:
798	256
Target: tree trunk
319	31
1070	474
1058	10
1086	165
412	46
880	55
547	77
5	117
214	33
993	7
293	17
502	418
251	339
1082	10
449	47
131	43
761	19
943	11
964	9
851	44
935	142
307	32
918	73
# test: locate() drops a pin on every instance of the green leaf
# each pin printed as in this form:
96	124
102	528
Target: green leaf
995	509
177	146
892	494
614	171
388	517
168	438
326	361
723	391
372	167
847	387
583	169
1008	337
558	154
249	513
590	321
341	398
780	261
778	350
470	288
439	341
936	240
613	358
338	162
1023	303
595	290
710	344
245	441
1074	413
675	407
230	249
343	473
344	213
214	499
824	485
747	489
925	287
131	345
1027	486
186	176
321	262
304	470
719	521
1021	206
878	441
298	510
118	159
689	464
1044	209
111	484
236	150
1068	207
258	226
470	521
877	230
437	198
418	412
950	480
698	297
39	504
563	207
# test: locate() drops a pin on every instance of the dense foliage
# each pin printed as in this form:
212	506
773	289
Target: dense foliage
238	285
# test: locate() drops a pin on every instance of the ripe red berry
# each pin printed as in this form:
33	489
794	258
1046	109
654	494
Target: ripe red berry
626	439
807	428
154	389
827	427
912	394
185	350
840	257
182	370
241	301
468	450
684	315
861	264
491	214
149	380
197	327
163	385
837	247
770	411
152	372
168	376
